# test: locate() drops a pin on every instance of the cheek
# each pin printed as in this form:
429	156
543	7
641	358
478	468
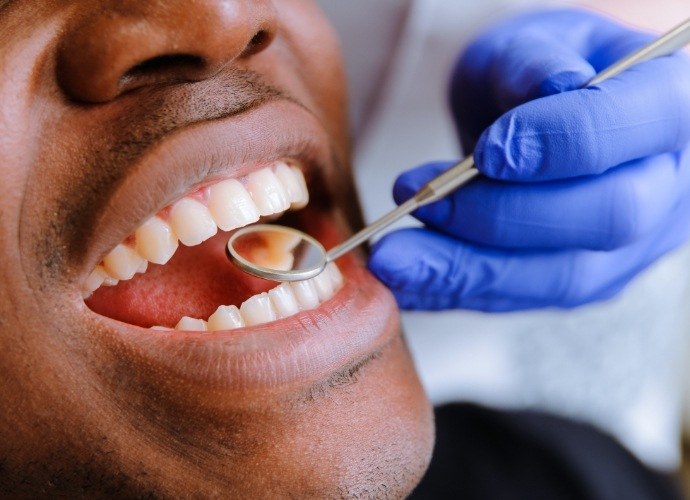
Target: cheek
24	90
19	117
319	62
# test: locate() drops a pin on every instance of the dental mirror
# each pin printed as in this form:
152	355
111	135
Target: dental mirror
277	253
285	254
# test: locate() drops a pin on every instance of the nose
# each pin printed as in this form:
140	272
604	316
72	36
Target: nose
129	44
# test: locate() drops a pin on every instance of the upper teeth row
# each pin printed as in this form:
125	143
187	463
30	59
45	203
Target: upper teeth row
228	205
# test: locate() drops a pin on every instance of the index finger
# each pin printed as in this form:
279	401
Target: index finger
644	111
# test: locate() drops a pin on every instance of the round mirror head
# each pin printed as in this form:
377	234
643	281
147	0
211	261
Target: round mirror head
276	253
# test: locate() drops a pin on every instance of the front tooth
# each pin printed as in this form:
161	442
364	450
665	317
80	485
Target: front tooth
110	281
294	184
305	293
95	280
304	196
225	318
284	301
267	192
192	222
231	205
335	275
258	310
188	324
323	286
122	262
156	241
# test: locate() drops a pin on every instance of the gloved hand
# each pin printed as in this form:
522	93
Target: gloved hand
584	188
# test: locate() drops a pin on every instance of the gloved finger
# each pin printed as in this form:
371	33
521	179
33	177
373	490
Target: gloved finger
597	212
427	270
531	56
644	111
536	66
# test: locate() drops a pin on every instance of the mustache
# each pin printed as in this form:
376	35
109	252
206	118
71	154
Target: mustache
116	145
145	124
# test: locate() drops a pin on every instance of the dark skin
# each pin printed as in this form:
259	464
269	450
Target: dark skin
93	94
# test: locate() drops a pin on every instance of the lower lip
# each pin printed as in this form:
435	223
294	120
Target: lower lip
358	322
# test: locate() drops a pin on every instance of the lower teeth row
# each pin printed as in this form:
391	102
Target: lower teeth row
287	299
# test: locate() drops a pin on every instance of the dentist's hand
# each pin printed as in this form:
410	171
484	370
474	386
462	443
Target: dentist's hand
585	188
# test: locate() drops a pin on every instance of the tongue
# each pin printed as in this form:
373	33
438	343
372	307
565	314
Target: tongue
194	283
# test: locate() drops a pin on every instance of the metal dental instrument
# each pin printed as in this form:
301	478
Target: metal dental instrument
297	256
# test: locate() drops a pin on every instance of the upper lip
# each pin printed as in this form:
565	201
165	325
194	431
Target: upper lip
202	153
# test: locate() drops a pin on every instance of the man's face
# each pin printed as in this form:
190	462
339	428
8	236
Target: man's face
121	125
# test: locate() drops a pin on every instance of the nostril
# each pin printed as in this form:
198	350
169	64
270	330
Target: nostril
258	43
166	63
186	66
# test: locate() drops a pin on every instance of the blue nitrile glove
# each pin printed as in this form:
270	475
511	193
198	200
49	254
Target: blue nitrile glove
588	187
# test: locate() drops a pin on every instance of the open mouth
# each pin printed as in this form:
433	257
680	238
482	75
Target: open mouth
163	290
171	273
